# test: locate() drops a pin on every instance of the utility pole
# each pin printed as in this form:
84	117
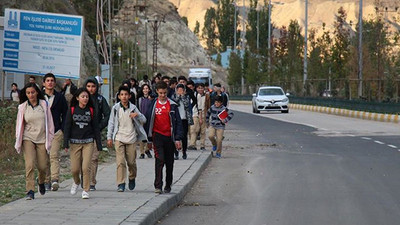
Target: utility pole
305	48
234	28
269	38
243	37
360	55
155	24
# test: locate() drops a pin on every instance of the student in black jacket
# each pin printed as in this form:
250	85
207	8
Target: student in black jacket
102	110
58	106
81	132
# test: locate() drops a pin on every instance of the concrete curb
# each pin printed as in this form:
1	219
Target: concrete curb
349	113
392	118
157	207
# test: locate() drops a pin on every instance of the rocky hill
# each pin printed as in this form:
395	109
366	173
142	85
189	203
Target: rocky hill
179	48
320	11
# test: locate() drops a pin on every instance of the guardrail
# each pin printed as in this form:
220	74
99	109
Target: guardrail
358	105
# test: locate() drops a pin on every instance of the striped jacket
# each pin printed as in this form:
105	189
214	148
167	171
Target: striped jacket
212	117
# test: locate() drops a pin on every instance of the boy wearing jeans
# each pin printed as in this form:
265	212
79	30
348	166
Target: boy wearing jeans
125	128
217	125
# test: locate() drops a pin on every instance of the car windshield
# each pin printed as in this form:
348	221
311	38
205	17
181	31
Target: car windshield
270	91
197	80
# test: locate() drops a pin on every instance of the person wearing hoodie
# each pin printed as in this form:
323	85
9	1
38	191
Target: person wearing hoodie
102	109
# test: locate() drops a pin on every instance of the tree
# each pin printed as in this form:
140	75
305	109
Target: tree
185	20
234	70
341	51
225	23
196	30
295	43
209	30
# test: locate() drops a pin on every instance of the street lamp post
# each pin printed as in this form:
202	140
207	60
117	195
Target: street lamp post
234	27
360	66
269	37
305	47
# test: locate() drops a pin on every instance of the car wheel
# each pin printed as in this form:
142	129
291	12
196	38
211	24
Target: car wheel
257	111
254	110
285	111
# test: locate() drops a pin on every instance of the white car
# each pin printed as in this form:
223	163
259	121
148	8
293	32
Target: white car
270	98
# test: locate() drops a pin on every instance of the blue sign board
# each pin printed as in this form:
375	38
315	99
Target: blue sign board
39	43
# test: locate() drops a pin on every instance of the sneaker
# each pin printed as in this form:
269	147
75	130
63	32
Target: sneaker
214	148
167	189
121	187
92	188
74	187
85	195
184	155
218	155
47	186
148	154
132	184
41	189
141	156
176	156
30	195
202	148
158	191
192	148
54	186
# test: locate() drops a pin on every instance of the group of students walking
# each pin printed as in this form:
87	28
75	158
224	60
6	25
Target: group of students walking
158	121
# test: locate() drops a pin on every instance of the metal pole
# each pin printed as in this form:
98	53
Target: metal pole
258	29
360	56
234	29
3	85
110	69
269	37
243	46
305	47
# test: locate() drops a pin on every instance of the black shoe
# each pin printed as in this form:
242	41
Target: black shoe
202	148
184	155
132	184
191	148
92	188
42	189
141	156
167	189
176	156
47	186
121	187
30	195
148	154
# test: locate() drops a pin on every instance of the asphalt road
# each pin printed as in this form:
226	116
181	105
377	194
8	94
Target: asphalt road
276	170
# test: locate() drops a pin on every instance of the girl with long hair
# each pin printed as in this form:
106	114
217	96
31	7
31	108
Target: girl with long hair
34	134
80	132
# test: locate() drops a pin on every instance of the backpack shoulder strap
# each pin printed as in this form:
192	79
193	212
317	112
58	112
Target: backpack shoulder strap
72	110
91	111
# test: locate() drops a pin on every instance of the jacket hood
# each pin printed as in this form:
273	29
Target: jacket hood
93	80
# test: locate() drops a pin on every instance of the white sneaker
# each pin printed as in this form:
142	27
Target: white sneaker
73	188
85	195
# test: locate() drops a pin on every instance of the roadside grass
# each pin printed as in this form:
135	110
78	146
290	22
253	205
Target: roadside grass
12	167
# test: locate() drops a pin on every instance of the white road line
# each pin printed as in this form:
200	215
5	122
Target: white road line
366	138
379	142
392	146
351	135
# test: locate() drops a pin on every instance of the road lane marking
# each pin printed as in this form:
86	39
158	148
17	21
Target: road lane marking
366	138
392	146
379	142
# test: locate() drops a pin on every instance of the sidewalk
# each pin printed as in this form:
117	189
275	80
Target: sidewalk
106	205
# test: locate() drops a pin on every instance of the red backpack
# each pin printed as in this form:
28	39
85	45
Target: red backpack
90	108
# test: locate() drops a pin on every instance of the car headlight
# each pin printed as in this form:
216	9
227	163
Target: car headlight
259	100
285	100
